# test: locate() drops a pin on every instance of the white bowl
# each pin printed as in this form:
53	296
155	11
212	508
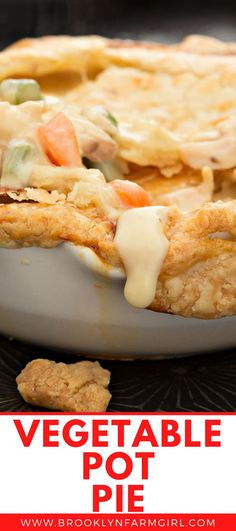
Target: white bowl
52	298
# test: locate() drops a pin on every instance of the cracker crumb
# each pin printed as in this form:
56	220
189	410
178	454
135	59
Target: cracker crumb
81	386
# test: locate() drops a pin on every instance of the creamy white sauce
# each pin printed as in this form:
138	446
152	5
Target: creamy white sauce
142	246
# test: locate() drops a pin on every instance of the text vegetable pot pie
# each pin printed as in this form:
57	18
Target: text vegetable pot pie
128	149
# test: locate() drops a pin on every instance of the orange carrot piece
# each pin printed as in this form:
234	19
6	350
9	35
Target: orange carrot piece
130	194
59	141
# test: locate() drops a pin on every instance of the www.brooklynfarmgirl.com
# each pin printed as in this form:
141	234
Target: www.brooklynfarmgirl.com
118	471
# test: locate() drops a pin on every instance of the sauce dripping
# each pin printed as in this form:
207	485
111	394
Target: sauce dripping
142	246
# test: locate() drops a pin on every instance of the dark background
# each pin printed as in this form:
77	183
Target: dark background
152	19
197	383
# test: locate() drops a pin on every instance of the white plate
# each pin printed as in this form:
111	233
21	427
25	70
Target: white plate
51	297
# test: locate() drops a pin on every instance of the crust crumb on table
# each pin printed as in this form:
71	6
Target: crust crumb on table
78	386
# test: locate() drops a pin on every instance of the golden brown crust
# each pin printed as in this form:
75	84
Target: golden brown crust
25	225
198	278
47	55
79	386
198	54
206	291
188	72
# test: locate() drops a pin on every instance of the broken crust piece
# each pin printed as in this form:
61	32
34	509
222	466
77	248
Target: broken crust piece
32	194
76	387
198	276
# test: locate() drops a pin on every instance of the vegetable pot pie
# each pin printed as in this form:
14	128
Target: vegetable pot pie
128	149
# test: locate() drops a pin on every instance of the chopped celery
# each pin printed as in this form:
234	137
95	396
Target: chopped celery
16	168
17	91
111	117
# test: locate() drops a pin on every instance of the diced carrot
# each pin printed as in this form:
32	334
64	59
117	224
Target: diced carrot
59	141
130	194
